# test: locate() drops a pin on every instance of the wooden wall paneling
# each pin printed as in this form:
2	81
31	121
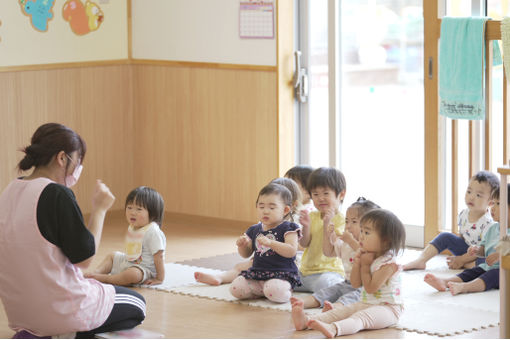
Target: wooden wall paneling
206	138
94	101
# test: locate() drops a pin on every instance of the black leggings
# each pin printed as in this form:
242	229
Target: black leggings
128	312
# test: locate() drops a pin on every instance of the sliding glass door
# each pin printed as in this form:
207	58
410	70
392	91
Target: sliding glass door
368	55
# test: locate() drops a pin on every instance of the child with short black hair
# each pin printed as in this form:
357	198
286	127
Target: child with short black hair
473	223
145	243
300	174
327	188
376	271
485	276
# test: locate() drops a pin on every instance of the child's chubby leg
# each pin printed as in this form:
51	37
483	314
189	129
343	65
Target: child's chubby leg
127	277
105	267
477	285
475	280
225	277
301	320
441	284
242	288
373	317
420	263
277	290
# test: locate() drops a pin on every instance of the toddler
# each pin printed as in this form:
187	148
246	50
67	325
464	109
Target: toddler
145	243
376	271
345	247
230	275
274	243
473	223
485	276
300	174
327	188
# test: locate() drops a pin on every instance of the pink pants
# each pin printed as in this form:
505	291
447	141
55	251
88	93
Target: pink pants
353	318
275	290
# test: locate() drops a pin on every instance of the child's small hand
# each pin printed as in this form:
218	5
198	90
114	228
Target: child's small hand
304	218
263	240
357	257
347	237
367	258
333	237
328	216
243	241
454	262
152	282
492	258
473	250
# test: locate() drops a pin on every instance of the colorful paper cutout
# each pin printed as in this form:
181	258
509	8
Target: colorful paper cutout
40	12
83	19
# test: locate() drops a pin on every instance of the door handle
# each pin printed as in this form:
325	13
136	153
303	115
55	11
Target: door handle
300	80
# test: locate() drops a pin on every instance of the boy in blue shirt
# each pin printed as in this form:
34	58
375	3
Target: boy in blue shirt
485	276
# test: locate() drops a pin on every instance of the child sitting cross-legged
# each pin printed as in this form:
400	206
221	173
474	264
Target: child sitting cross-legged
485	276
345	246
229	275
376	271
473	224
274	243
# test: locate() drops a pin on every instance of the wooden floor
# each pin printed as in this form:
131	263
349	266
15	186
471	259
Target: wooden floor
178	316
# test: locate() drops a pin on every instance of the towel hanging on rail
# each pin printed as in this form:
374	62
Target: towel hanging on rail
461	68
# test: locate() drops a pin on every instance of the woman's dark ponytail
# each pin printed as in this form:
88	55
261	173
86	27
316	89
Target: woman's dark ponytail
48	140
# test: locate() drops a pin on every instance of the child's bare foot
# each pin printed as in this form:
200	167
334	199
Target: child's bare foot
456	287
209	279
328	330
417	264
435	282
298	314
327	306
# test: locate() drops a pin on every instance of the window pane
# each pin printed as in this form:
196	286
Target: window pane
318	75
382	104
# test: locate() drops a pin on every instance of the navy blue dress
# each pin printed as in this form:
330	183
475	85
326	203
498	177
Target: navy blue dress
267	264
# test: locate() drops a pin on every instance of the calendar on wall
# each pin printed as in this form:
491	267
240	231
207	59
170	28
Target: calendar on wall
256	20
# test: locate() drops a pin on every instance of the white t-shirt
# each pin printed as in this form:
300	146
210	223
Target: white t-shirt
154	240
471	232
390	291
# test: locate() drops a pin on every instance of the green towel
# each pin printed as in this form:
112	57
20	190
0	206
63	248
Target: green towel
461	68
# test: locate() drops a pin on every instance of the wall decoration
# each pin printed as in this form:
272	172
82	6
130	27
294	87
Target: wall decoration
83	18
40	12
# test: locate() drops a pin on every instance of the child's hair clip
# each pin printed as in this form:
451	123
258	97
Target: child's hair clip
361	199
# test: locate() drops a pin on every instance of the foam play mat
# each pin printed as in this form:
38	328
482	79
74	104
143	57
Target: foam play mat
426	311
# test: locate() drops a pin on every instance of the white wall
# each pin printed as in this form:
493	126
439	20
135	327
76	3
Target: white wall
197	31
21	44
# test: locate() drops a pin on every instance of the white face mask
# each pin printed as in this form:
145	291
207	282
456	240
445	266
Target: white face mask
73	178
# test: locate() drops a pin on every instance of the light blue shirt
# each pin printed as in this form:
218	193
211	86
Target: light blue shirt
490	241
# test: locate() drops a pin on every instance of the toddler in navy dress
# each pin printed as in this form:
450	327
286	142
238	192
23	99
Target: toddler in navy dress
274	243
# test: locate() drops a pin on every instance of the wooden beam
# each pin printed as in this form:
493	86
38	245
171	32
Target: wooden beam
433	163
